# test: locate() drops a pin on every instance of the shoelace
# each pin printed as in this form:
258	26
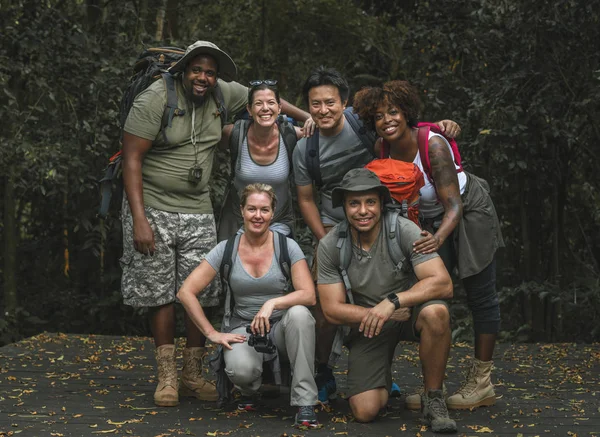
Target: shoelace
469	384
306	409
438	406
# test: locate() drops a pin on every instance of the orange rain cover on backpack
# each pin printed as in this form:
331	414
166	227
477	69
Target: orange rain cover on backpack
404	180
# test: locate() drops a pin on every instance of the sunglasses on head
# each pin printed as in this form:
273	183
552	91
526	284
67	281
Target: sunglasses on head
268	82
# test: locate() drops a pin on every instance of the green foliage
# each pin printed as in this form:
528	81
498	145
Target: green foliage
522	78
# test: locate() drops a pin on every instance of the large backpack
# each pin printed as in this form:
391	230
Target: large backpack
423	142
151	65
404	180
313	165
282	256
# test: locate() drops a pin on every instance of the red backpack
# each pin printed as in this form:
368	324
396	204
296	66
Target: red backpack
423	142
404	180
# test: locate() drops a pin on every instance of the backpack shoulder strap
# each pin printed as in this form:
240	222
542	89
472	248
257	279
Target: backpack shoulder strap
171	108
288	133
313	165
282	255
220	101
238	134
392	227
367	137
344	245
231	248
423	143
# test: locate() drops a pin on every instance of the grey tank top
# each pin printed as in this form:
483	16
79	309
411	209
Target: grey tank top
275	174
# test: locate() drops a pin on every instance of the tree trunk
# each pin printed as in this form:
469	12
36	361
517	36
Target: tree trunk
142	13
93	13
160	20
173	20
10	249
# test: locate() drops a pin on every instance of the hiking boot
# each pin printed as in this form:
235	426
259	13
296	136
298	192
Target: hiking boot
326	386
413	400
192	381
306	416
247	403
477	389
436	413
166	390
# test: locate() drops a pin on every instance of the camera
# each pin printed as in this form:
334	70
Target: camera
195	174
261	343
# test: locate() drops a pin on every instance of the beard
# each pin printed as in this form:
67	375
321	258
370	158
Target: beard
196	99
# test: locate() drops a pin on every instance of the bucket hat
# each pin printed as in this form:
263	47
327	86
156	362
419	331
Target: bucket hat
227	68
356	180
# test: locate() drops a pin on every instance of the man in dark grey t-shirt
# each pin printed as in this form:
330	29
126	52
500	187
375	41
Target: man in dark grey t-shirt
388	302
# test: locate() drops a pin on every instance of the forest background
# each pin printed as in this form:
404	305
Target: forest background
522	77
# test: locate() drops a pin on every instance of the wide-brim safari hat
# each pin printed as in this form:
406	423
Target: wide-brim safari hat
227	68
356	180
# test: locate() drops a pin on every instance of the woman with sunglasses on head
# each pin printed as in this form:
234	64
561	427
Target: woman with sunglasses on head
267	297
459	222
261	152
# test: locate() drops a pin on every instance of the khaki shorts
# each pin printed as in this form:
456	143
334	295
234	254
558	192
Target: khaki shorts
181	241
370	359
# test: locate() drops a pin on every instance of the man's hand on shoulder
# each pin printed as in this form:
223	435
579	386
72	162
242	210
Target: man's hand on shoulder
373	321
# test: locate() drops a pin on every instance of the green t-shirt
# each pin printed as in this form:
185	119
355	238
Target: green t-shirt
372	274
166	165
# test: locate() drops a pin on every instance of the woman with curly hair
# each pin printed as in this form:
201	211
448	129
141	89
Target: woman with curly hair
459	222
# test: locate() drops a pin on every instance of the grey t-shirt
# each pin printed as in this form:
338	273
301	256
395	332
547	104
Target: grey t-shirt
337	155
250	293
372	274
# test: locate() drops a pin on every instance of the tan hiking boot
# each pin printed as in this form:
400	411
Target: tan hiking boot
192	382
166	390
413	400
477	390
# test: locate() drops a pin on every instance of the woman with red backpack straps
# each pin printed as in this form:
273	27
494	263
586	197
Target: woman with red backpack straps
458	218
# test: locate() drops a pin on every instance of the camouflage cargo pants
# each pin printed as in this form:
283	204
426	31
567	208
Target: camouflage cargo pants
181	241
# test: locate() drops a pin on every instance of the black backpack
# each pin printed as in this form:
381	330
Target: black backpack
367	138
151	65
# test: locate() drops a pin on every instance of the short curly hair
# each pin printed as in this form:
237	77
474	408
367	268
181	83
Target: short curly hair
399	93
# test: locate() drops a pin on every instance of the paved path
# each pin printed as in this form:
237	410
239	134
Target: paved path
70	385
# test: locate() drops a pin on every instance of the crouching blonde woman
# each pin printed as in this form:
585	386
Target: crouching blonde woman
260	297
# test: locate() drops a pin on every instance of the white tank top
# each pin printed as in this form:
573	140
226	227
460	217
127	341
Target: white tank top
429	205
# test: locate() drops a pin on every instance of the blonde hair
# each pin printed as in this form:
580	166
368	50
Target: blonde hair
257	189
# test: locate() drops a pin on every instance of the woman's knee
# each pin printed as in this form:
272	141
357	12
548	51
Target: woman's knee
242	372
435	318
301	316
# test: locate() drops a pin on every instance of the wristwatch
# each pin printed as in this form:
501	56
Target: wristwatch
393	298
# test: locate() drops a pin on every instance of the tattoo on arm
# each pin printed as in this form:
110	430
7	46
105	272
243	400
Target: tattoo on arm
446	180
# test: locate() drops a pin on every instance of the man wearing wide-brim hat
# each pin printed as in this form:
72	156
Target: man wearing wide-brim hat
395	295
168	222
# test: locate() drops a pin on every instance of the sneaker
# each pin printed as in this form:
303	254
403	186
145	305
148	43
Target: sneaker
326	386
413	400
435	412
395	390
306	416
247	403
477	389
